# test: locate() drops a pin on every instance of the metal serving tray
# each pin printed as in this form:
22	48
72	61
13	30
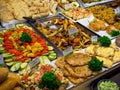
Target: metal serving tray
91	84
85	5
24	22
85	22
46	19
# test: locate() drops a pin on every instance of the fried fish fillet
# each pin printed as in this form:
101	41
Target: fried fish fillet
106	62
79	71
90	50
116	57
104	51
60	62
78	59
76	80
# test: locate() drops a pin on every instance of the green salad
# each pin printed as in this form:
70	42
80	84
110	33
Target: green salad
108	85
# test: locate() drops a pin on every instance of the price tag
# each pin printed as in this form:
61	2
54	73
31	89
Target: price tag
1	61
63	1
10	25
68	6
72	31
68	51
94	39
117	10
34	62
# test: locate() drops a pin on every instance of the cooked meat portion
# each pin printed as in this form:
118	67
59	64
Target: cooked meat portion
79	71
76	80
84	71
60	62
78	59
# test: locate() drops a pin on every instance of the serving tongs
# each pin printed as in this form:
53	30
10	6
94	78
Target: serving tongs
1	24
29	19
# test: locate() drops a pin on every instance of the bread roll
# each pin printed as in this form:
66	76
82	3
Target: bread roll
3	74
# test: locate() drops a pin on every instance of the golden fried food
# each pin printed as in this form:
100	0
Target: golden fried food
116	56
76	80
106	62
97	25
8	84
17	88
3	74
6	15
117	25
104	13
60	62
15	77
90	50
110	28
78	59
79	71
108	51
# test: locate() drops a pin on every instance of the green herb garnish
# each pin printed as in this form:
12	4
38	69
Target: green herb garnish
114	33
25	37
50	81
104	41
95	64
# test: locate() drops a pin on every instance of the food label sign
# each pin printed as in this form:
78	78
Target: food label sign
117	10
34	62
68	51
63	1
72	31
10	25
68	6
94	39
1	61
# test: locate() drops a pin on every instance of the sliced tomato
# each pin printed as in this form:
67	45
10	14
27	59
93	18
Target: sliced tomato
8	33
37	54
15	52
25	78
18	58
59	76
23	59
25	44
46	68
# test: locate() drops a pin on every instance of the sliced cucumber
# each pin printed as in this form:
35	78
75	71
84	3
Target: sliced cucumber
51	51
8	60
52	56
7	55
15	67
1	40
23	65
3	51
50	48
10	63
1	48
44	60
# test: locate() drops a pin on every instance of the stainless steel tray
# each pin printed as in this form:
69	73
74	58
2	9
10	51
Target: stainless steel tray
46	19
